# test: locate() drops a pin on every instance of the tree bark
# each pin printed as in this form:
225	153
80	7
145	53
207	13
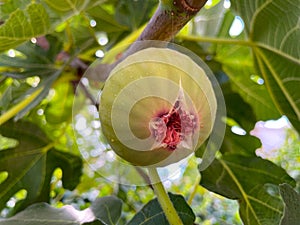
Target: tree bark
169	18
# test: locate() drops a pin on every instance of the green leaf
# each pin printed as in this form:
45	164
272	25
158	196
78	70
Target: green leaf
240	70
134	13
63	99
273	28
253	182
36	19
243	114
105	21
208	21
32	61
6	143
42	213
238	109
23	25
12	94
152	213
10	6
237	63
37	159
60	11
67	6
109	209
46	85
291	205
233	142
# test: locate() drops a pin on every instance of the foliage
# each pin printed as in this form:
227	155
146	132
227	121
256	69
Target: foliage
152	213
36	160
292	205
106	210
46	46
275	58
253	182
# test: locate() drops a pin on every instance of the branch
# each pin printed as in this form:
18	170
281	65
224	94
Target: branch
170	17
89	95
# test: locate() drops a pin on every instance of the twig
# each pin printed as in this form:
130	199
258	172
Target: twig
89	95
144	176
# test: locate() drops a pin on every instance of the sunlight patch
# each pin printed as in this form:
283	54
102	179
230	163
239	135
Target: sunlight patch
237	27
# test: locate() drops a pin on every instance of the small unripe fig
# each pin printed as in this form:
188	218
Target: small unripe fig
157	107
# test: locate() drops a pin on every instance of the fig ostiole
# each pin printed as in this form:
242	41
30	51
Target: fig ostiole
157	107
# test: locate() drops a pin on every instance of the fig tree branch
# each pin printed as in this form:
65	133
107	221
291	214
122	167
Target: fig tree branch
170	17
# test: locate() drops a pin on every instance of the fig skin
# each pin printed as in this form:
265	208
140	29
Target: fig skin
144	86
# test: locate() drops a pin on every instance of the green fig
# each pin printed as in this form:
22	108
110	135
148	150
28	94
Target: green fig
157	107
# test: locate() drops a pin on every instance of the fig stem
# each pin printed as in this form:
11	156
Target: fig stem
163	198
169	18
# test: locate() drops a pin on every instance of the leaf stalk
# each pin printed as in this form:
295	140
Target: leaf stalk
216	40
18	107
163	198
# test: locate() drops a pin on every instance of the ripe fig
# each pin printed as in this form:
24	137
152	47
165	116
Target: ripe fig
157	107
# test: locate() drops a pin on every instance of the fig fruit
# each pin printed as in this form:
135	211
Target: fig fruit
157	107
